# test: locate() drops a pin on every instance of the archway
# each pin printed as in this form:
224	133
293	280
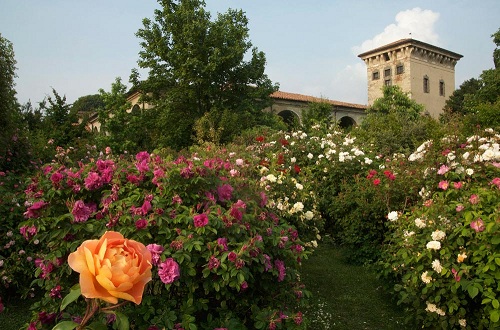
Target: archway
347	122
290	118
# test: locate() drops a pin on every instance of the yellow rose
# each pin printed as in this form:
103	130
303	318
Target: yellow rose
112	267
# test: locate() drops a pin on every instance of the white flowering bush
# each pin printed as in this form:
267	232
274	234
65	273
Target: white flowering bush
443	256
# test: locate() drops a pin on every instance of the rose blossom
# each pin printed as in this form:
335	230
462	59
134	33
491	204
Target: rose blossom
200	220
169	271
474	199
433	245
443	184
81	211
112	267
438	235
155	250
478	225
393	216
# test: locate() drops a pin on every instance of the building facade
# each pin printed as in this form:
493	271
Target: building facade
424	71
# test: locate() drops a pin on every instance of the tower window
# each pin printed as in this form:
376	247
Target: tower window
387	72
441	88
386	57
426	84
388	82
400	69
375	75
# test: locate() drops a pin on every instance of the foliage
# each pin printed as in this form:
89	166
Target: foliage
443	255
122	130
477	99
197	65
395	124
87	104
15	253
316	113
14	146
238	259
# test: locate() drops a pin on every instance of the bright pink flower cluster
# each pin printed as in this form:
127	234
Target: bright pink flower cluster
81	211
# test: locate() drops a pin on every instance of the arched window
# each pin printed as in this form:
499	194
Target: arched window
136	109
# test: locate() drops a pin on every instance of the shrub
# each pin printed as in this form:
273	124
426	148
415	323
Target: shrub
238	259
444	254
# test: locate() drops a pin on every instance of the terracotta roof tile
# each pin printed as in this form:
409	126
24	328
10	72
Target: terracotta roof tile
306	98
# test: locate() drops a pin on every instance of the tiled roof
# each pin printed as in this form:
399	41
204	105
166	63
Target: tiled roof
306	98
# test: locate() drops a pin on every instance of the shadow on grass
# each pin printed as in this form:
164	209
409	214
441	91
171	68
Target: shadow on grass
346	296
16	314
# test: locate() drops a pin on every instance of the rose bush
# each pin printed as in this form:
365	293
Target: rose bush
444	254
221	256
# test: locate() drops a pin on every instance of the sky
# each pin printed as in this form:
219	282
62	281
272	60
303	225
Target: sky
78	47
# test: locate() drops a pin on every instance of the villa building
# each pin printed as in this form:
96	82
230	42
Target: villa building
424	71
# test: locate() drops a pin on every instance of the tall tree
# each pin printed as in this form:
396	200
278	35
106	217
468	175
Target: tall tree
197	65
476	103
9	107
122	130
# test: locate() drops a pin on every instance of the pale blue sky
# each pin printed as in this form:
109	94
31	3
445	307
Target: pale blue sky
80	46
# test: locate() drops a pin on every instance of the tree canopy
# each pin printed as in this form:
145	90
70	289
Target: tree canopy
8	101
197	65
394	123
478	98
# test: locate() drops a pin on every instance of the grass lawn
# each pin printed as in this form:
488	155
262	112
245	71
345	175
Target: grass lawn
347	296
16	314
344	297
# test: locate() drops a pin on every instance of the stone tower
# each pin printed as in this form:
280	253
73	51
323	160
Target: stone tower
424	71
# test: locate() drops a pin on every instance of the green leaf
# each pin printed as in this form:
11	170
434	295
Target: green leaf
494	316
65	325
73	295
495	303
122	321
495	240
497	261
96	325
473	291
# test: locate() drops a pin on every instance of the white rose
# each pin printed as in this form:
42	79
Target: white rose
309	215
433	245
393	216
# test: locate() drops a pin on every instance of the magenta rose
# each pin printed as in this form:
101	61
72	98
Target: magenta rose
200	220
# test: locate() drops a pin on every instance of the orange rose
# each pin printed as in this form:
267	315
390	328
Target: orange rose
112	267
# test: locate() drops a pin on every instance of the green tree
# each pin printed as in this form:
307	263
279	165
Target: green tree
121	129
9	107
197	65
474	94
394	123
87	104
60	123
316	113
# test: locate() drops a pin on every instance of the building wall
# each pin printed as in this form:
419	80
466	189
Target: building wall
418	60
435	72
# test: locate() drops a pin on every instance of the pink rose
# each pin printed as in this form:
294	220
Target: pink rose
443	185
169	271
478	225
200	220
